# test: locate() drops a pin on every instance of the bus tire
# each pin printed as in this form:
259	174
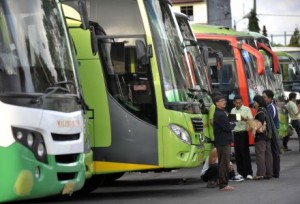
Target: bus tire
92	184
110	178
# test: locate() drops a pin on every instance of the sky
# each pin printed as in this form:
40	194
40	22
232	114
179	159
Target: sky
278	16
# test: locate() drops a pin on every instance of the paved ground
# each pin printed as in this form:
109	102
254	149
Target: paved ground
184	186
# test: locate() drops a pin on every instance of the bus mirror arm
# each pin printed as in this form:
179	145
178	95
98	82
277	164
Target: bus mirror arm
94	40
218	55
274	56
219	59
204	50
83	14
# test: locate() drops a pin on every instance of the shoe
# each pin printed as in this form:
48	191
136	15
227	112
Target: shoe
249	177
237	178
211	184
287	150
259	177
227	188
267	177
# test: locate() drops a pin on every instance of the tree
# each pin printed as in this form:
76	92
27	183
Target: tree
264	31
295	39
253	22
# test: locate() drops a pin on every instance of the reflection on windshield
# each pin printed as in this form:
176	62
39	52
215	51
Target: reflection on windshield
197	71
34	53
171	59
256	83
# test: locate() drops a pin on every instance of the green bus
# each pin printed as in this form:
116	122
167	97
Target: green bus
199	54
136	79
42	126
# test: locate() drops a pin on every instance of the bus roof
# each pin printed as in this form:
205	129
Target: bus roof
214	29
287	49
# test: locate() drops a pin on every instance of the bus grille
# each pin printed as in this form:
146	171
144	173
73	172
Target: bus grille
66	158
197	124
65	176
61	137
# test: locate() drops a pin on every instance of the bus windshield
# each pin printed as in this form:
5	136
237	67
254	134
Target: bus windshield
290	72
34	53
193	52
172	62
273	81
256	83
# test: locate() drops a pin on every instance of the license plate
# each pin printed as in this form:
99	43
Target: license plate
68	188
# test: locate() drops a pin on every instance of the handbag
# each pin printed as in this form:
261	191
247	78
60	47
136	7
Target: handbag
262	128
252	124
255	126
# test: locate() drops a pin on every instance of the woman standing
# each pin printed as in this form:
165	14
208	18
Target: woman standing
264	159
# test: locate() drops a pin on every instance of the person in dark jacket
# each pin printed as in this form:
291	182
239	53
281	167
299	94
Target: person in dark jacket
268	95
223	138
264	159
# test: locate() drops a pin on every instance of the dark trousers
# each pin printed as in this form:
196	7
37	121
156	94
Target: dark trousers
211	174
224	159
242	153
285	141
296	126
264	160
276	160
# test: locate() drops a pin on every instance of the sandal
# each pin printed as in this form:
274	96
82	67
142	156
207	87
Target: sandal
227	188
259	177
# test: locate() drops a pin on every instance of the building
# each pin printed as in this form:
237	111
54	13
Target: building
213	12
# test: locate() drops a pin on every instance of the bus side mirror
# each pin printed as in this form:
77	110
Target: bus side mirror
219	59
83	14
143	53
204	50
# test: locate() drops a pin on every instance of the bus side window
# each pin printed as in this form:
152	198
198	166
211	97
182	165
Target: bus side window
139	87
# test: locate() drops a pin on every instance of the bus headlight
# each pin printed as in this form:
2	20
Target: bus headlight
33	140
30	139
19	135
41	149
181	133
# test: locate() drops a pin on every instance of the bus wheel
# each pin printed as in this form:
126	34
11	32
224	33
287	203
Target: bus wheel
110	178
92	184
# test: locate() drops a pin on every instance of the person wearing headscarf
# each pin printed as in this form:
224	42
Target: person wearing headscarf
264	159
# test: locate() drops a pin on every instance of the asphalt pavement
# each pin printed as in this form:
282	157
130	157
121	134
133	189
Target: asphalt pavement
184	186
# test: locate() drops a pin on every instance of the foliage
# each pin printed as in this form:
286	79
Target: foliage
253	22
295	39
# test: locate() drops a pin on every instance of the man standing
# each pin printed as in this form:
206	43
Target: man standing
268	97
223	138
241	138
294	114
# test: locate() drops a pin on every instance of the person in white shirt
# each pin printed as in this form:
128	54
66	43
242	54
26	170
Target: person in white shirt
294	113
241	138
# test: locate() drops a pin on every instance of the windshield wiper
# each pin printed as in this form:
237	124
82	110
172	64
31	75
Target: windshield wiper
53	89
